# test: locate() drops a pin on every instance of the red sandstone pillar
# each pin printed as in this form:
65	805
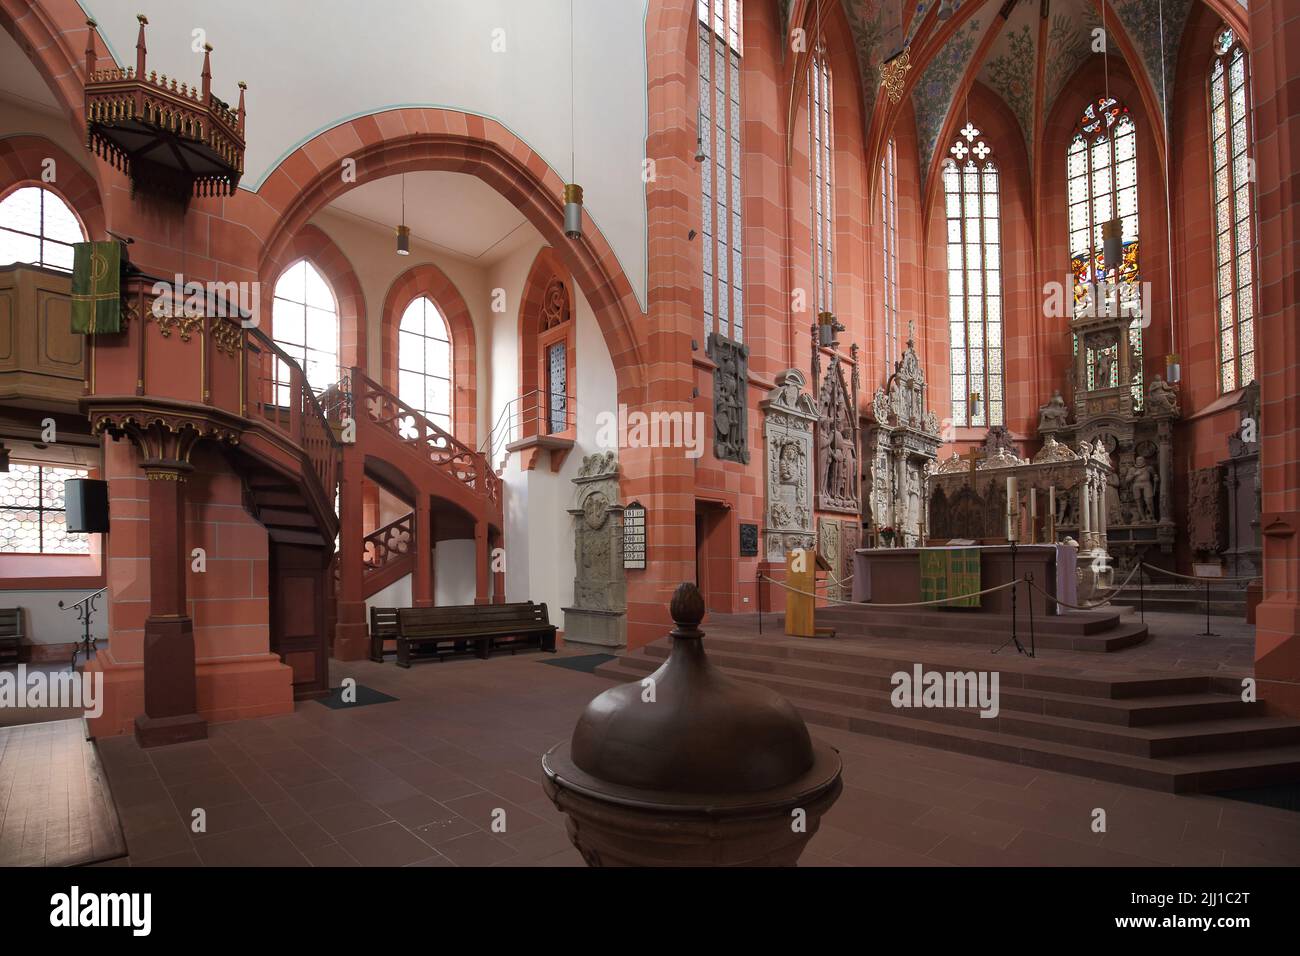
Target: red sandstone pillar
1274	32
422	580
170	687
350	637
480	562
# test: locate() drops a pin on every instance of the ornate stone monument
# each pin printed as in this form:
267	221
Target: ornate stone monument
599	614
902	443
1240	470
1131	420
730	381
789	416
836	479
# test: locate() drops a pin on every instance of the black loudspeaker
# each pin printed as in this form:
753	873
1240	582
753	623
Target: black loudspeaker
87	502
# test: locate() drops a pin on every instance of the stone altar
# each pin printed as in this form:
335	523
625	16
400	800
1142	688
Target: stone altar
789	416
599	614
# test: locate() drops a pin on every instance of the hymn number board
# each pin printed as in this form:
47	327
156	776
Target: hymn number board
634	536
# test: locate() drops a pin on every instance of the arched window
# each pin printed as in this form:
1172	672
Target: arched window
424	362
970	184
821	160
37	226
1102	176
889	246
719	125
1230	137
555	352
305	323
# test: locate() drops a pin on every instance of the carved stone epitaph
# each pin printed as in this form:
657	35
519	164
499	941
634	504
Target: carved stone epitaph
836	469
599	614
789	416
730	380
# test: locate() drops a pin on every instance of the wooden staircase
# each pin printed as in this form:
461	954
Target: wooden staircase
1168	730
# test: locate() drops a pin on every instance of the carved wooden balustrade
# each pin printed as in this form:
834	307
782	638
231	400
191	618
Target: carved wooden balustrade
188	362
388	412
386	545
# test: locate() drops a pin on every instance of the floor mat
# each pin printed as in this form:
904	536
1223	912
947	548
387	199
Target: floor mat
364	697
56	808
587	663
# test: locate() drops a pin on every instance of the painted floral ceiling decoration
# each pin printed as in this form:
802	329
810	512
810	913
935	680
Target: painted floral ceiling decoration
1007	45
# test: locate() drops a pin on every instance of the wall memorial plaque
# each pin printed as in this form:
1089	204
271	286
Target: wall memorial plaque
748	540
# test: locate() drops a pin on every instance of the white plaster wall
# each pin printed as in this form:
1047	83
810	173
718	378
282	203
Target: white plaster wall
454	577
312	66
370	249
539	529
397	594
45	623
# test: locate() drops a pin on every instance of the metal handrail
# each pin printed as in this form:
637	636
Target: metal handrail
78	604
511	420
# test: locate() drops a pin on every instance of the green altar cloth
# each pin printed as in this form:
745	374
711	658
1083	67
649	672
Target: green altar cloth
947	572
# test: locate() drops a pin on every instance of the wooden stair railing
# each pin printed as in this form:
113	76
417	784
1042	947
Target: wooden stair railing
380	408
202	367
387	554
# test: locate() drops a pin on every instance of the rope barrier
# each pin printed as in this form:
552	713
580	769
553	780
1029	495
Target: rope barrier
1192	577
1102	603
956	597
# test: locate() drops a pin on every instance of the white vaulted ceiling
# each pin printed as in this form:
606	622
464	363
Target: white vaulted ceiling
311	66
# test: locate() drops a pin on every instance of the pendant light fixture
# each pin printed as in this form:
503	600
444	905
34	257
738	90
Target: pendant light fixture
572	191
976	406
699	136
403	230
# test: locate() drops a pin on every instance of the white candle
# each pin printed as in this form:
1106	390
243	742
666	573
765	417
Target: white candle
1033	514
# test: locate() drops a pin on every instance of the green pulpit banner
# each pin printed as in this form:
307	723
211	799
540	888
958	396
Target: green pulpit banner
96	287
947	572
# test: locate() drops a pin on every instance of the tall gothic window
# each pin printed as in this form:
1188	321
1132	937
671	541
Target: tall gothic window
1230	136
305	321
424	362
37	226
1102	175
889	228
720	50
821	156
970	183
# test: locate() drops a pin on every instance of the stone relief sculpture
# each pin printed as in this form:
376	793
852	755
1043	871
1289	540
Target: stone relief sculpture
730	382
599	614
837	440
789	417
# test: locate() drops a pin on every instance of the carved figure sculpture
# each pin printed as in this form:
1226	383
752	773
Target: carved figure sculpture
1142	484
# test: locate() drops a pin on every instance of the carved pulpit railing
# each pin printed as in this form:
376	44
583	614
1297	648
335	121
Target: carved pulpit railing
387	544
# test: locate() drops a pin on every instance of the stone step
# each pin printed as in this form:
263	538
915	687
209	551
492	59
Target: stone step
1077	631
1181	606
874	674
883	658
1187	772
1194	735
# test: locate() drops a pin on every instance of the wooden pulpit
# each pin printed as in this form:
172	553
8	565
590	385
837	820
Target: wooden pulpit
801	567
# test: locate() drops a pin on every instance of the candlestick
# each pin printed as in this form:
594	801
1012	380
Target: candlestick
1013	510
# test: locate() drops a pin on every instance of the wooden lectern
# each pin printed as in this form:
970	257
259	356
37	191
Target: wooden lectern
801	567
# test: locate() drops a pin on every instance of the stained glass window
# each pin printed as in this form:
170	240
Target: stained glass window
1101	168
557	361
37	226
424	362
32	512
970	185
719	124
889	248
821	161
305	322
1234	247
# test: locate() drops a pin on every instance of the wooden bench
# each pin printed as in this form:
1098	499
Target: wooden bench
11	634
383	627
485	627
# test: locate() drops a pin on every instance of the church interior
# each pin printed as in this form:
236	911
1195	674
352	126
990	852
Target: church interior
875	414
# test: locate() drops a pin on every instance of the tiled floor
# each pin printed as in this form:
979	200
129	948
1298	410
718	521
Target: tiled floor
420	782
